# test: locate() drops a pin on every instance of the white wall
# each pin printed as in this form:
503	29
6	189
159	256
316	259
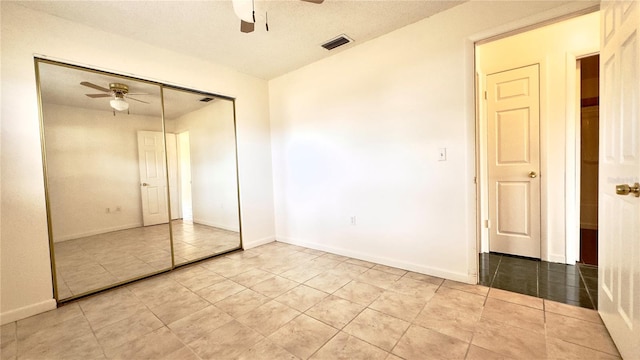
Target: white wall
357	134
213	163
25	283
92	165
555	48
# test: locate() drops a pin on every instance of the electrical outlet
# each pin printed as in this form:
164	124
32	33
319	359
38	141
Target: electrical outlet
353	220
442	154
118	209
108	210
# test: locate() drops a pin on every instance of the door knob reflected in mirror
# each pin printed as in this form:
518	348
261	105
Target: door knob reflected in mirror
625	189
532	174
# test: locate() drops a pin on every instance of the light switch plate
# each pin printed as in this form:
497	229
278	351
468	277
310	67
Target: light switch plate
442	154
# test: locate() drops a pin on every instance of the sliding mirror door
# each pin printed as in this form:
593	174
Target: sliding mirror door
106	183
203	184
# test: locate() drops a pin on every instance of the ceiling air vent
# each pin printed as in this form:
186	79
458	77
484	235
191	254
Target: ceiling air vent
206	99
339	41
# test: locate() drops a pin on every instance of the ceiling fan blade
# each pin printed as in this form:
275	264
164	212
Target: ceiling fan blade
137	93
94	86
130	98
98	95
246	27
314	1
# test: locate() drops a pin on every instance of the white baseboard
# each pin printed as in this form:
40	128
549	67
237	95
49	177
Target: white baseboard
95	232
246	245
427	270
555	258
471	279
27	311
216	225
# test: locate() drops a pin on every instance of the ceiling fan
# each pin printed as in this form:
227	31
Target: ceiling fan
245	10
118	91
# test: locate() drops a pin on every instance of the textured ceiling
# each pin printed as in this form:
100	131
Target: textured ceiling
61	85
210	30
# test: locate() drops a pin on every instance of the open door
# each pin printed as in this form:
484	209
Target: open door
619	204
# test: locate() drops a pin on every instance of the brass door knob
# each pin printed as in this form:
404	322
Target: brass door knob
625	189
144	184
532	174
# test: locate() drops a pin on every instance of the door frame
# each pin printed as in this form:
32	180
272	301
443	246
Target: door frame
573	166
572	148
472	111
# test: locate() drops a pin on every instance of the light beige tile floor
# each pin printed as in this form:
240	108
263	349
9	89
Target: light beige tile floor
279	301
97	261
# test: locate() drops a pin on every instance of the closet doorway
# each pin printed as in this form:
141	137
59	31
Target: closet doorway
140	177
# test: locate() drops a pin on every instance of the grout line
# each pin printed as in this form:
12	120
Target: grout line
405	330
595	307
538	278
325	343
15	334
544	314
495	273
473	333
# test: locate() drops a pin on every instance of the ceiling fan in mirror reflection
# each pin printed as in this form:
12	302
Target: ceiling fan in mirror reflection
119	92
246	11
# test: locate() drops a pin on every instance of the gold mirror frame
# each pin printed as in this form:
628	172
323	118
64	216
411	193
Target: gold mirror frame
162	87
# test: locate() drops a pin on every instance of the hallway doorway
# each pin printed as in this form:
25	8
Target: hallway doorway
589	154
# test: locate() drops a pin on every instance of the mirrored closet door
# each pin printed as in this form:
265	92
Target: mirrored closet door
201	148
114	177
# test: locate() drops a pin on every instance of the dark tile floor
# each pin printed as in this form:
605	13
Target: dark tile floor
569	284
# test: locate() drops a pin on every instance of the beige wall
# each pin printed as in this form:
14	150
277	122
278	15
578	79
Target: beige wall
213	164
25	284
98	162
358	134
555	48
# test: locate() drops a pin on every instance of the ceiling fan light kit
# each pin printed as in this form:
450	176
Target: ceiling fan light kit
116	90
244	10
119	104
119	90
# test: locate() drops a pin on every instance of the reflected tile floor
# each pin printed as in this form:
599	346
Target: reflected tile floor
97	261
569	284
279	301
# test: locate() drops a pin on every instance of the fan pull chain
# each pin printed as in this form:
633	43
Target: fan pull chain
266	20
253	11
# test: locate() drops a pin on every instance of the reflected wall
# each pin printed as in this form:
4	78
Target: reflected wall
203	177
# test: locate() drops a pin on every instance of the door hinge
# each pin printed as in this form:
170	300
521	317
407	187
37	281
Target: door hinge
485	95
487	224
475	180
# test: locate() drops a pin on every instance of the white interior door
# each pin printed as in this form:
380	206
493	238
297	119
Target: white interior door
513	158
619	215
153	180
